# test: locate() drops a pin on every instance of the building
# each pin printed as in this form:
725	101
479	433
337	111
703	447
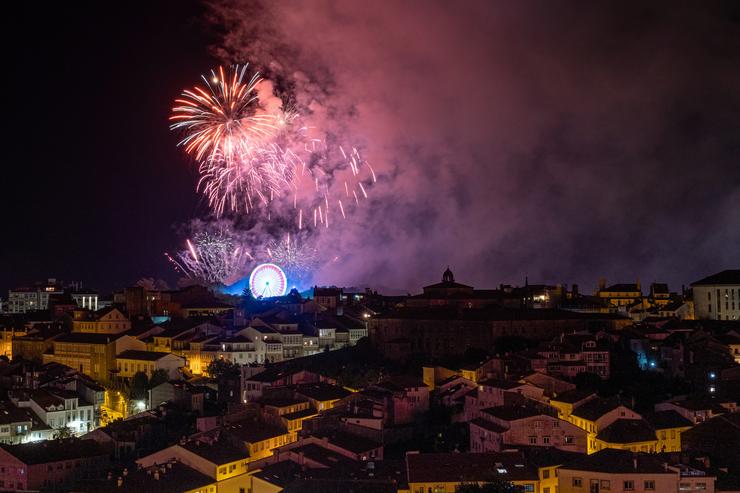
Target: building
106	321
58	409
669	426
623	471
91	354
596	414
220	460
443	473
132	361
717	297
29	299
527	426
52	465
447	330
620	295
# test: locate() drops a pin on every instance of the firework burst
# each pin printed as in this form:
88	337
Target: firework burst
295	256
212	258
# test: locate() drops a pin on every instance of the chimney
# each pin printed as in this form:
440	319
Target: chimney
602	283
638	285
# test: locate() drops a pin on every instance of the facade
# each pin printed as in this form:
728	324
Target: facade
91	354
29	299
59	409
130	362
444	473
620	295
611	471
498	427
596	414
105	321
717	297
52	465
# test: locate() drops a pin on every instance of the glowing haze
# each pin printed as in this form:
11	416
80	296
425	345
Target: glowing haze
514	138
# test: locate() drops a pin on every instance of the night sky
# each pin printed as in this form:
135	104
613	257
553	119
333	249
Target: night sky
562	141
92	180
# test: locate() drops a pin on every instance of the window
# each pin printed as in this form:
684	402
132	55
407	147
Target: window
546	489
545	474
629	485
577	482
533	440
546	440
649	484
605	484
701	486
684	486
569	439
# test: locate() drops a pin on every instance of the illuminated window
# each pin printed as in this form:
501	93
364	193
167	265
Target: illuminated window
649	484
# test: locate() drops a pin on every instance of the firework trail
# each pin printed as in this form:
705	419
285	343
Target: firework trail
212	258
250	157
230	135
294	255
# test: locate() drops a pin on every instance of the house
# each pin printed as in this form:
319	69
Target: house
258	437
91	354
596	414
407	398
523	426
58	408
552	386
621	470
172	477
628	434
223	461
443	473
50	465
695	410
569	400
21	425
106	321
322	395
669	426
130	362
190	397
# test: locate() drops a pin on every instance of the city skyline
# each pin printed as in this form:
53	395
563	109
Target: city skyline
516	178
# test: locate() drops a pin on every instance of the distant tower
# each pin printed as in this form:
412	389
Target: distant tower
448	276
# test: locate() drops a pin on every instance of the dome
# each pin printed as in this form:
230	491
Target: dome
448	276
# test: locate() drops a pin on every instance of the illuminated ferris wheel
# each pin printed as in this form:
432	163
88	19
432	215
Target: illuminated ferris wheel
268	280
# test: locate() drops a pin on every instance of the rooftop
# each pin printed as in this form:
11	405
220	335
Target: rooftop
619	462
662	420
54	450
142	355
453	467
322	391
730	276
627	431
217	452
595	408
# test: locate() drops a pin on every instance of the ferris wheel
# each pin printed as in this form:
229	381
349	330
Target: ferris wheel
268	280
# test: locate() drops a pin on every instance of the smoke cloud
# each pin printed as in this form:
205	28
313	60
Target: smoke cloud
560	141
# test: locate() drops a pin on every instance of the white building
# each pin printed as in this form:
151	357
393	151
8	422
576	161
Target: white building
61	409
717	297
28	299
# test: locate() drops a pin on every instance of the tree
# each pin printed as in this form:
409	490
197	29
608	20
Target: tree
63	433
495	486
220	369
587	381
159	376
138	387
